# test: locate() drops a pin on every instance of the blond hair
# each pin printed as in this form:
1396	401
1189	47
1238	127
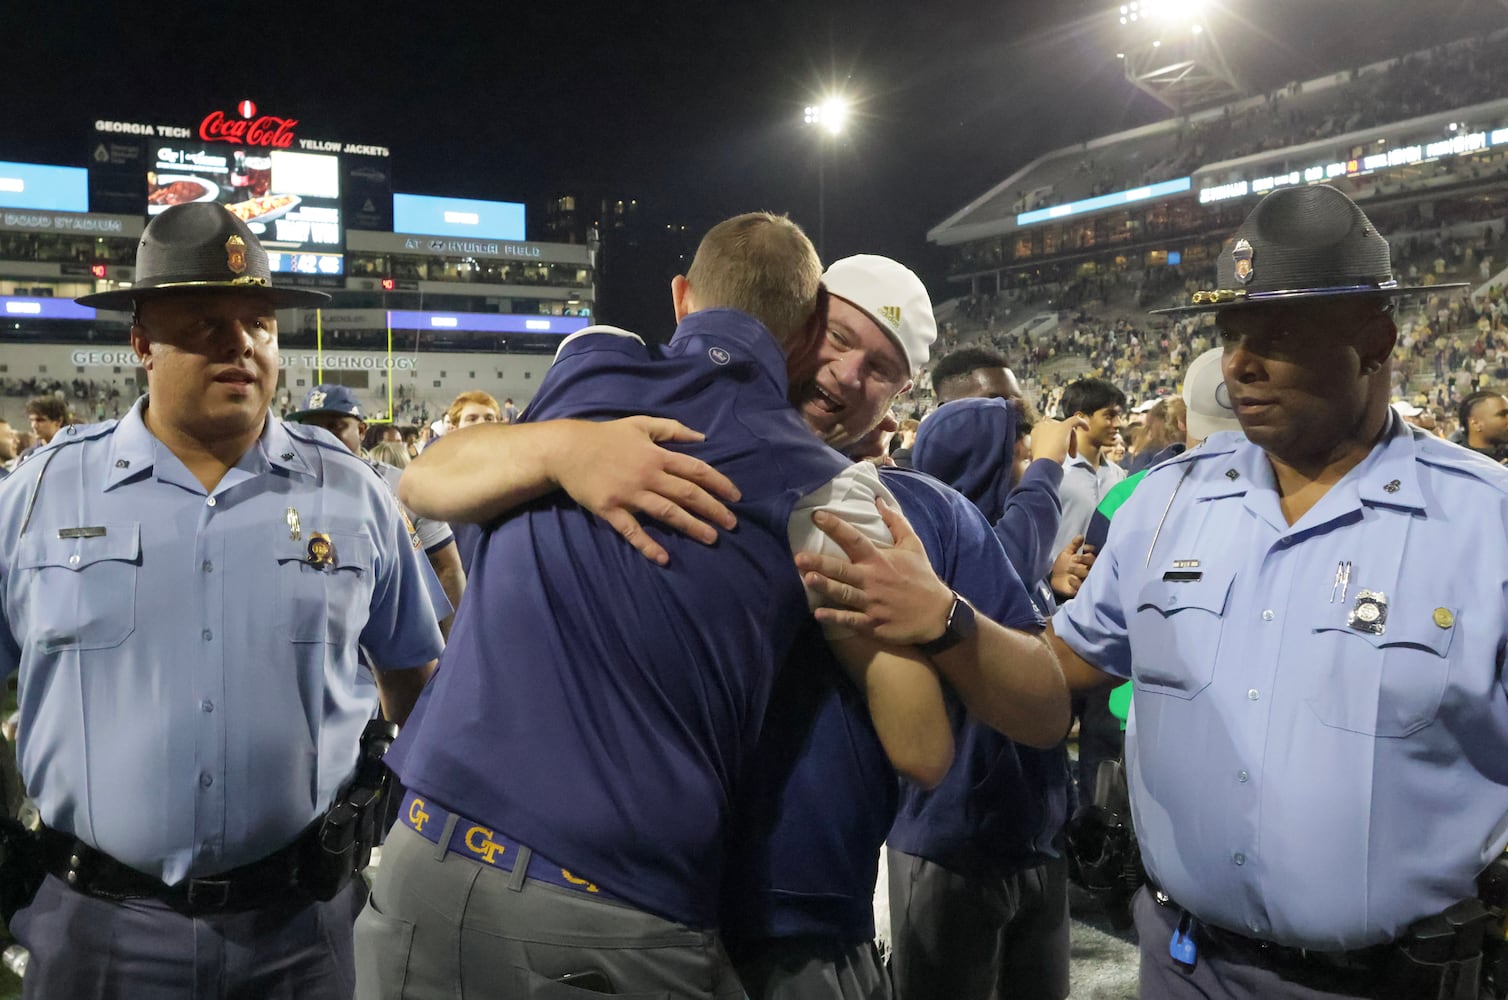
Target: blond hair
390	453
764	265
453	415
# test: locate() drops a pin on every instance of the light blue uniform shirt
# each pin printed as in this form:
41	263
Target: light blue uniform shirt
1080	493
1295	777
188	678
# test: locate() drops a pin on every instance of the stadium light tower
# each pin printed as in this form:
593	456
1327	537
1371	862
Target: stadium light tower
830	118
1169	52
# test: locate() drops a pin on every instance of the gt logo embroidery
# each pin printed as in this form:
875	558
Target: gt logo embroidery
484	847
578	881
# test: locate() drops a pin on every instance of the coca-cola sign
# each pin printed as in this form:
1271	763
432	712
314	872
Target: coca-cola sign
250	129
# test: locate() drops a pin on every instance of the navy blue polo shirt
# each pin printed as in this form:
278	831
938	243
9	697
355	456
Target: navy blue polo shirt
820	794
999	810
599	707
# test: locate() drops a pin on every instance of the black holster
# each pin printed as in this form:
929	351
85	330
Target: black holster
353	826
22	867
1443	957
1492	889
1102	844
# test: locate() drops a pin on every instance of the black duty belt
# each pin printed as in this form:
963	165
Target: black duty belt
1439	956
249	887
1271	953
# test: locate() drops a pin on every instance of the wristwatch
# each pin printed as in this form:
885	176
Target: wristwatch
960	626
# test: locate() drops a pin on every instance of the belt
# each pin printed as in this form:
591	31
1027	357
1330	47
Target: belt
249	887
484	845
1368	961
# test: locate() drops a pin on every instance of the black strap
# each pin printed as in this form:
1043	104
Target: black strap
1397	970
249	887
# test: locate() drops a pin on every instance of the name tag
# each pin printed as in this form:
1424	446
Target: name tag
91	531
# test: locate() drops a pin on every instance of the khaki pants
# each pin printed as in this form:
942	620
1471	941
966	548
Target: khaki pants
442	926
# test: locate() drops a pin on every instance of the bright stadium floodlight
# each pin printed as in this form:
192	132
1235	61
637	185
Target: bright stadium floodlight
832	114
1169	50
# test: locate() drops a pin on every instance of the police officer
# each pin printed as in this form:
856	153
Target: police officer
1314	620
337	410
182	592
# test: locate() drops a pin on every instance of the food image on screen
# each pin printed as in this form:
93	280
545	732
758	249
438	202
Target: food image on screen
166	191
290	200
264	207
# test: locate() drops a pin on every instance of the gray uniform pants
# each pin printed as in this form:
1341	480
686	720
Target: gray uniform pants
969	938
442	926
1215	976
813	968
83	948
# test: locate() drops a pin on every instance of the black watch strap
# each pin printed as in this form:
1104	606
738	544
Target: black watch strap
961	625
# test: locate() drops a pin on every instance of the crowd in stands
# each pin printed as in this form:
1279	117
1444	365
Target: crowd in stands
1441	79
1073	324
89	399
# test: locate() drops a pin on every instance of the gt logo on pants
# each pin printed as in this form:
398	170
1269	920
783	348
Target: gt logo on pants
483	846
417	815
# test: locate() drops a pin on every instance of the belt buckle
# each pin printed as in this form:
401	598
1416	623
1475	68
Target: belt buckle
211	894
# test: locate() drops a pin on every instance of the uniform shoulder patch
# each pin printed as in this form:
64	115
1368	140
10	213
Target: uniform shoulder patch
84	432
1443	454
309	434
1216	445
380	468
73	434
324	441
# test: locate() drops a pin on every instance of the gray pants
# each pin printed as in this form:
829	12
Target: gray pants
969	938
83	948
442	926
813	968
1220	977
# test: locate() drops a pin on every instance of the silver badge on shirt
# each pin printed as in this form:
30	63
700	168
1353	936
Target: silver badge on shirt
1370	613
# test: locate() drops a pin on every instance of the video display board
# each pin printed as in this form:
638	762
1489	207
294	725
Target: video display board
298	194
290	200
425	215
38	186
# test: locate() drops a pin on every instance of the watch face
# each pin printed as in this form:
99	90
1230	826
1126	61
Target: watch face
961	620
961	625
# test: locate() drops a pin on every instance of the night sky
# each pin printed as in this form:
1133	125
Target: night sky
694	109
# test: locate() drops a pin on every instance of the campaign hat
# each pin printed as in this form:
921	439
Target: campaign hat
1301	243
200	247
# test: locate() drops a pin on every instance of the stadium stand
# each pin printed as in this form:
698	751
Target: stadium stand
1063	289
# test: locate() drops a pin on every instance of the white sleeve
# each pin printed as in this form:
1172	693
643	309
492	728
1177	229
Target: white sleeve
432	534
851	496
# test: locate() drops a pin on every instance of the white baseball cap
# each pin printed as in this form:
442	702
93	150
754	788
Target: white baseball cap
1406	409
1145	405
890	294
1205	395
